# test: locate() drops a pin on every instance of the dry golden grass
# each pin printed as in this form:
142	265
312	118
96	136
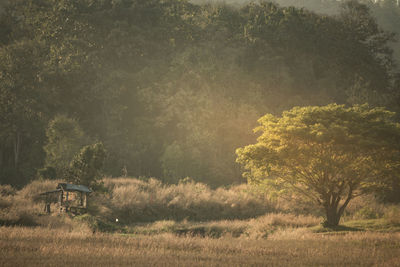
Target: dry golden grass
257	228
133	200
23	207
274	239
45	247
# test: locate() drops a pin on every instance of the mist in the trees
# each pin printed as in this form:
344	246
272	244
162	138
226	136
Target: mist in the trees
172	88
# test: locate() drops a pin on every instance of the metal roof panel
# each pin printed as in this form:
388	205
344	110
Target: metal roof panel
74	187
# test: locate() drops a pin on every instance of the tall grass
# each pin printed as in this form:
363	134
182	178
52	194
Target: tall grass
16	208
45	247
187	224
25	207
135	200
238	209
257	228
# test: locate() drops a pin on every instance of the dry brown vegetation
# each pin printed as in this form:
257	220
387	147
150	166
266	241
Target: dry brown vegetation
202	227
44	247
257	228
24	207
133	200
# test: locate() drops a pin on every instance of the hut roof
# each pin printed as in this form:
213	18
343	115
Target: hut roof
73	187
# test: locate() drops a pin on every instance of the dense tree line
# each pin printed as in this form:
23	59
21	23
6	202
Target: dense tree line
386	12
172	88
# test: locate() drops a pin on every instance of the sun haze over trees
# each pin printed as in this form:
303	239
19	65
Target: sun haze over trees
328	154
64	139
172	88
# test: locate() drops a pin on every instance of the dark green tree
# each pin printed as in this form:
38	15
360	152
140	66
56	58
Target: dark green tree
86	166
65	138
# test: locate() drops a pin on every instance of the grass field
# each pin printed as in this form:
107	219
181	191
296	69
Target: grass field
191	225
21	246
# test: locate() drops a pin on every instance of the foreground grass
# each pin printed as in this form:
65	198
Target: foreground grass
45	247
373	225
189	224
260	227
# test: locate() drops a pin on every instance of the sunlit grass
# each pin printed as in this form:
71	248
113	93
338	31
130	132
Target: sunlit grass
256	228
133	200
45	247
275	238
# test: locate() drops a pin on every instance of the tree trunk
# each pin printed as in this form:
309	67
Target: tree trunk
17	145
332	216
333	209
1	157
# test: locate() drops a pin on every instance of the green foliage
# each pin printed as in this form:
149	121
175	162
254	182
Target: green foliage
64	139
47	173
175	164
327	153
387	190
86	166
21	109
148	78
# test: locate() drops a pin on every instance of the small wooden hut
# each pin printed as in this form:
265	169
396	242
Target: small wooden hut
68	197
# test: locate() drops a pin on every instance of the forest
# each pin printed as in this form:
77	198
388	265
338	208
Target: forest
172	88
199	133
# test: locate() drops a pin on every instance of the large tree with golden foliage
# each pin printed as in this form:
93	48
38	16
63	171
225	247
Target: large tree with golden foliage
328	154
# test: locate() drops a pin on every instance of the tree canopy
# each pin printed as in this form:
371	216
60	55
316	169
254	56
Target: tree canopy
172	88
64	140
328	153
86	167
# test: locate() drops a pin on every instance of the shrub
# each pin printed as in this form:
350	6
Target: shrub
64	139
6	194
5	202
7	190
97	224
86	166
392	214
19	211
366	213
32	190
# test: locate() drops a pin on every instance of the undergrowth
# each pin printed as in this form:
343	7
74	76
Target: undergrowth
133	200
147	207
